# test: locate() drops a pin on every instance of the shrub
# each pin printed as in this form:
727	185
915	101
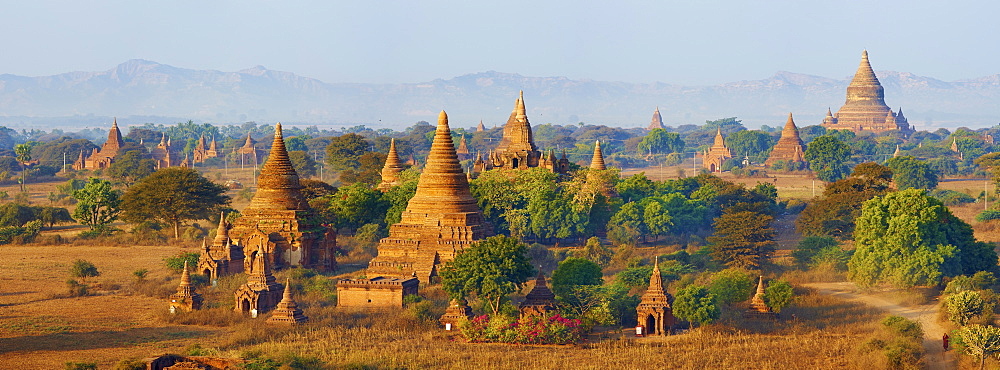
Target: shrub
130	364
951	197
83	270
81	365
176	263
76	289
965	306
534	329
988	215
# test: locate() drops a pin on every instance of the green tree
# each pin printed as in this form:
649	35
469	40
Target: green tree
369	170
827	157
742	239
752	143
345	151
131	167
98	204
575	271
660	141
981	341
635	187
911	173
355	205
695	304
964	306
731	286
303	163
596	251
908	238
172	196
23	152
778	294
835	213
810	246
83	269
491	269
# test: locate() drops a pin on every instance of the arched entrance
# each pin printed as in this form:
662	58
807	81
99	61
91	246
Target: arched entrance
245	306
651	325
514	163
208	272
711	167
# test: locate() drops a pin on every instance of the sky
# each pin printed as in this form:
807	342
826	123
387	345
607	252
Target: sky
676	42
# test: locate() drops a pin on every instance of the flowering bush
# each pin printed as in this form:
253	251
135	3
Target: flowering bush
528	330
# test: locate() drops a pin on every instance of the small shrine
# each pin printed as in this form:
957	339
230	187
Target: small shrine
186	299
457	310
287	313
758	306
655	311
540	300
261	293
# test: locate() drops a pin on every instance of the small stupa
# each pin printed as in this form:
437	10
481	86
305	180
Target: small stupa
261	293
287	313
789	147
757	303
390	171
457	310
186	299
540	300
597	162
717	154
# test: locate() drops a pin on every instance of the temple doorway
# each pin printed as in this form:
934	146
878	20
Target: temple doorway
651	325
514	162
245	305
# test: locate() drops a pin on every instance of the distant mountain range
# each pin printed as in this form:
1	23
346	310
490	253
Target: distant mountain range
140	91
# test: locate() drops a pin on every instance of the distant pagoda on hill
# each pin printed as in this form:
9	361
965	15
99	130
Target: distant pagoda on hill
865	108
657	121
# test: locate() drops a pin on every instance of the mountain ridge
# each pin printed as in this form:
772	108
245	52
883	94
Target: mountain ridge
143	88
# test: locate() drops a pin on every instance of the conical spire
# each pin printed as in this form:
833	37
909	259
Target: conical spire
655	280
540	294
249	142
463	147
597	163
757	303
657	121
760	286
391	169
481	127
865	89
278	183
789	146
443	187
517	135
222	233
719	140
897	152
185	276
286	296
115	141
287	312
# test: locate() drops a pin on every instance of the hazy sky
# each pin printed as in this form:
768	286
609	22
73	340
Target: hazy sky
681	42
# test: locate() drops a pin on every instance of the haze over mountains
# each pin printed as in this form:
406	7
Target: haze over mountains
140	91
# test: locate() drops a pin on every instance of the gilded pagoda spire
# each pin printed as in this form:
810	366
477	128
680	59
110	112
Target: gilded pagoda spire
278	183
597	163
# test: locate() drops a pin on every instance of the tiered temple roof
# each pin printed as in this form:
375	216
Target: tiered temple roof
441	218
865	108
287	312
717	154
655	310
789	147
540	300
102	158
597	162
657	121
280	214
261	292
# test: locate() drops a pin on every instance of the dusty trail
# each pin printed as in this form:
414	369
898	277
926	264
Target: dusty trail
934	355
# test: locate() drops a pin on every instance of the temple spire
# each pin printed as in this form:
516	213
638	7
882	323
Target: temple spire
278	183
391	169
222	233
443	186
597	163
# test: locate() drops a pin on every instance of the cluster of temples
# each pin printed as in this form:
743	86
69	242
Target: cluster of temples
517	149
162	154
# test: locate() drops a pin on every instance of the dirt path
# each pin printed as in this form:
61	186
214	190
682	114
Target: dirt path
934	355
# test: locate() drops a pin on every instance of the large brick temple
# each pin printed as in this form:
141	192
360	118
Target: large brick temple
280	222
789	147
441	219
865	108
517	149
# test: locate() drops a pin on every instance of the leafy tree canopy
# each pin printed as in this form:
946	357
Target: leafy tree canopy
827	157
908	238
490	269
171	196
911	173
